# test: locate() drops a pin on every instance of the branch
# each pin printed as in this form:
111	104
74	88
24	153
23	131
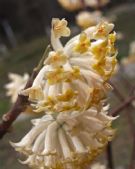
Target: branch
109	155
126	103
21	102
130	120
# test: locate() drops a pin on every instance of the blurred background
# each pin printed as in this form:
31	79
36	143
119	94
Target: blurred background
24	34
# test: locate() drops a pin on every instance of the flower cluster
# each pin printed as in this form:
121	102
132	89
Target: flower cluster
71	89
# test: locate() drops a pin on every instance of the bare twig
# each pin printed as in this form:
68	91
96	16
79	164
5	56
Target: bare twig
21	102
130	120
126	103
109	154
128	108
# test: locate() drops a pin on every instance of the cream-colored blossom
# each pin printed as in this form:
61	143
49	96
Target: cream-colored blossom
60	27
66	140
81	66
83	45
71	90
87	19
16	84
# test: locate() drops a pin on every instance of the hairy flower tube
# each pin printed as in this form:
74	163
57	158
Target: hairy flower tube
71	90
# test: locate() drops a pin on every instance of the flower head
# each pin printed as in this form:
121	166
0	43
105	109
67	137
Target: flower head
65	141
81	66
71	90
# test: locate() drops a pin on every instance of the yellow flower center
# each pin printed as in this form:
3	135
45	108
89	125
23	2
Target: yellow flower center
83	44
60	75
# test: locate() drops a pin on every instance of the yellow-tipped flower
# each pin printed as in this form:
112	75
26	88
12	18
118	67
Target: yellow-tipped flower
60	27
83	45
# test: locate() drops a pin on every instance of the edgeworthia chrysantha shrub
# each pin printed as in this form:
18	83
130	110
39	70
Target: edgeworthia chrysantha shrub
71	90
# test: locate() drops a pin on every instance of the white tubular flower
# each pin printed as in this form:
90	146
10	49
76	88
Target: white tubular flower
17	83
73	73
87	19
63	142
71	90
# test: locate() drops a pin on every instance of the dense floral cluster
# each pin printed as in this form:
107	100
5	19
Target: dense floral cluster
71	90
